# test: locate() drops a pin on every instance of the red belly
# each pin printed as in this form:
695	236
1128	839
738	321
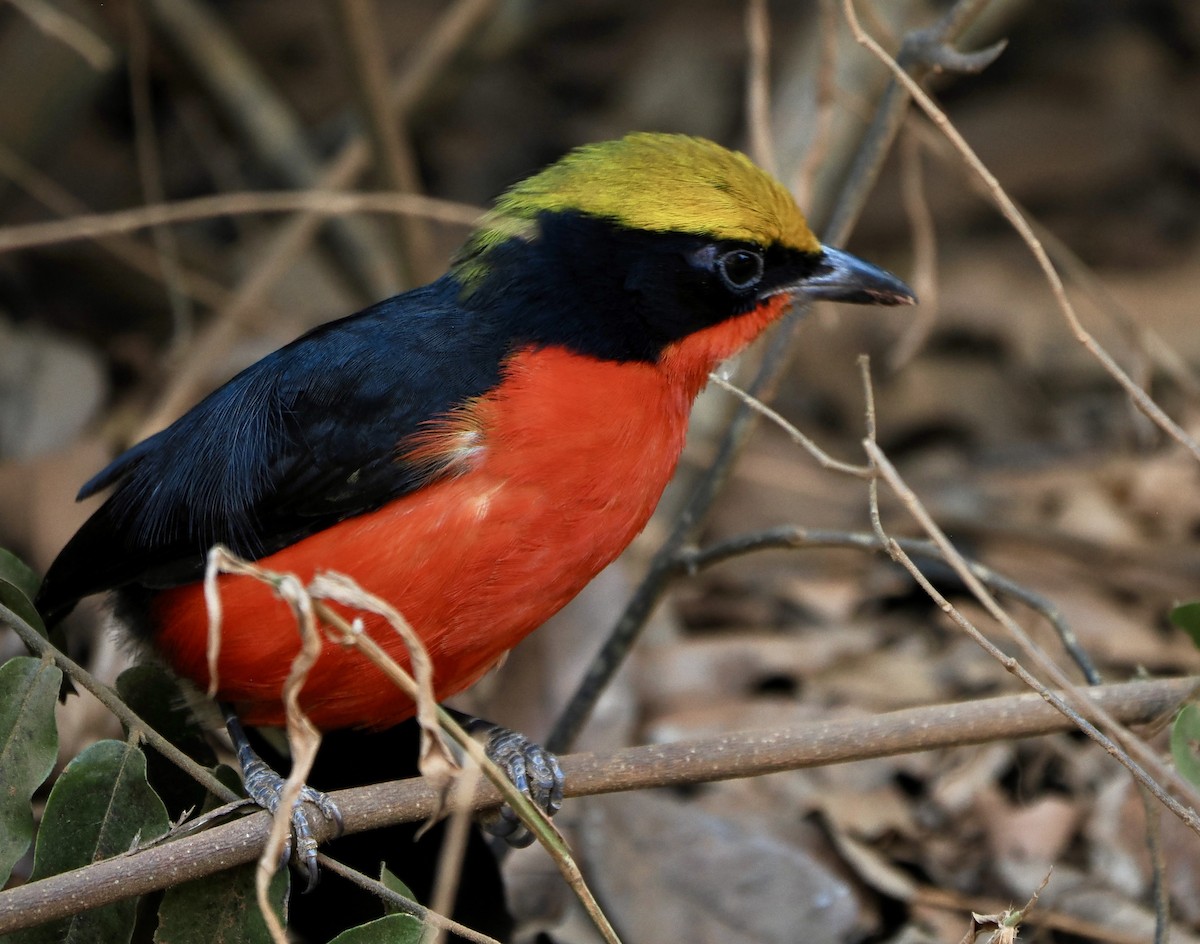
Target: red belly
475	561
550	477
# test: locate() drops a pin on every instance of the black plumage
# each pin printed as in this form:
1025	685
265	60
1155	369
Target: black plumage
316	432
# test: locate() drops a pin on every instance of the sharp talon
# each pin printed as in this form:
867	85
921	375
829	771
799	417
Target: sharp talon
532	769
306	856
266	789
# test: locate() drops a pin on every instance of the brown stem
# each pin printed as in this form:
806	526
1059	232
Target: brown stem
889	116
264	120
395	163
729	756
37	643
309	202
285	246
793	537
138	256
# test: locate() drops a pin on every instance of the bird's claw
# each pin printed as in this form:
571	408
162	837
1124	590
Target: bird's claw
532	770
265	787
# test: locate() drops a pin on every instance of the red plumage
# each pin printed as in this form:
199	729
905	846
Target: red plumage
553	474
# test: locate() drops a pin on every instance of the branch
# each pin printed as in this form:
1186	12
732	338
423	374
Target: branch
1073	702
915	58
758	98
247	99
278	255
1141	399
729	756
71	32
794	537
150	172
315	202
38	644
138	256
394	160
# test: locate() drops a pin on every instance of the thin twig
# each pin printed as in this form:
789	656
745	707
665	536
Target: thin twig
924	242
1142	400
1090	717
890	114
790	536
190	377
1158	867
1141	334
1078	273
824	459
38	644
309	605
758	86
71	32
729	756
1073	702
265	121
137	255
794	537
427	915
145	139
534	818
394	160
454	847
315	202
822	137
303	738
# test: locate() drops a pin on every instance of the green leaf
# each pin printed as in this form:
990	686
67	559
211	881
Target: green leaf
28	747
100	806
1187	617
1185	743
155	696
231	778
15	571
394	929
389	880
219	909
18	588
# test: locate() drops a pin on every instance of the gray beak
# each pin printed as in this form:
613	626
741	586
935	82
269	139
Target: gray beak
842	277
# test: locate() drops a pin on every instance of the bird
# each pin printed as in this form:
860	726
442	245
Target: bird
474	450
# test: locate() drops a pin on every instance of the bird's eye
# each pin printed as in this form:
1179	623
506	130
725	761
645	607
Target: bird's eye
740	269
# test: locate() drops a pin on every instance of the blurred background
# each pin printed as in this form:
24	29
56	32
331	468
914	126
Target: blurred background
1020	444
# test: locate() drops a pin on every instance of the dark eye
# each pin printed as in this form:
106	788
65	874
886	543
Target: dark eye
740	269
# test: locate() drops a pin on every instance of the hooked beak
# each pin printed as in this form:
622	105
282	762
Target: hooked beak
842	277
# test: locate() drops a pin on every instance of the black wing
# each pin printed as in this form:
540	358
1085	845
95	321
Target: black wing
308	436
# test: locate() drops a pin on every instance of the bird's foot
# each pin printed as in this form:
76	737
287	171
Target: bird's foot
531	769
265	787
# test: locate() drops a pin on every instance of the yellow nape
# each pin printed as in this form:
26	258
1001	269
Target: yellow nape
663	183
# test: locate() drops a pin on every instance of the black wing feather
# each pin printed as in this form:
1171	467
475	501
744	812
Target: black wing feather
308	436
